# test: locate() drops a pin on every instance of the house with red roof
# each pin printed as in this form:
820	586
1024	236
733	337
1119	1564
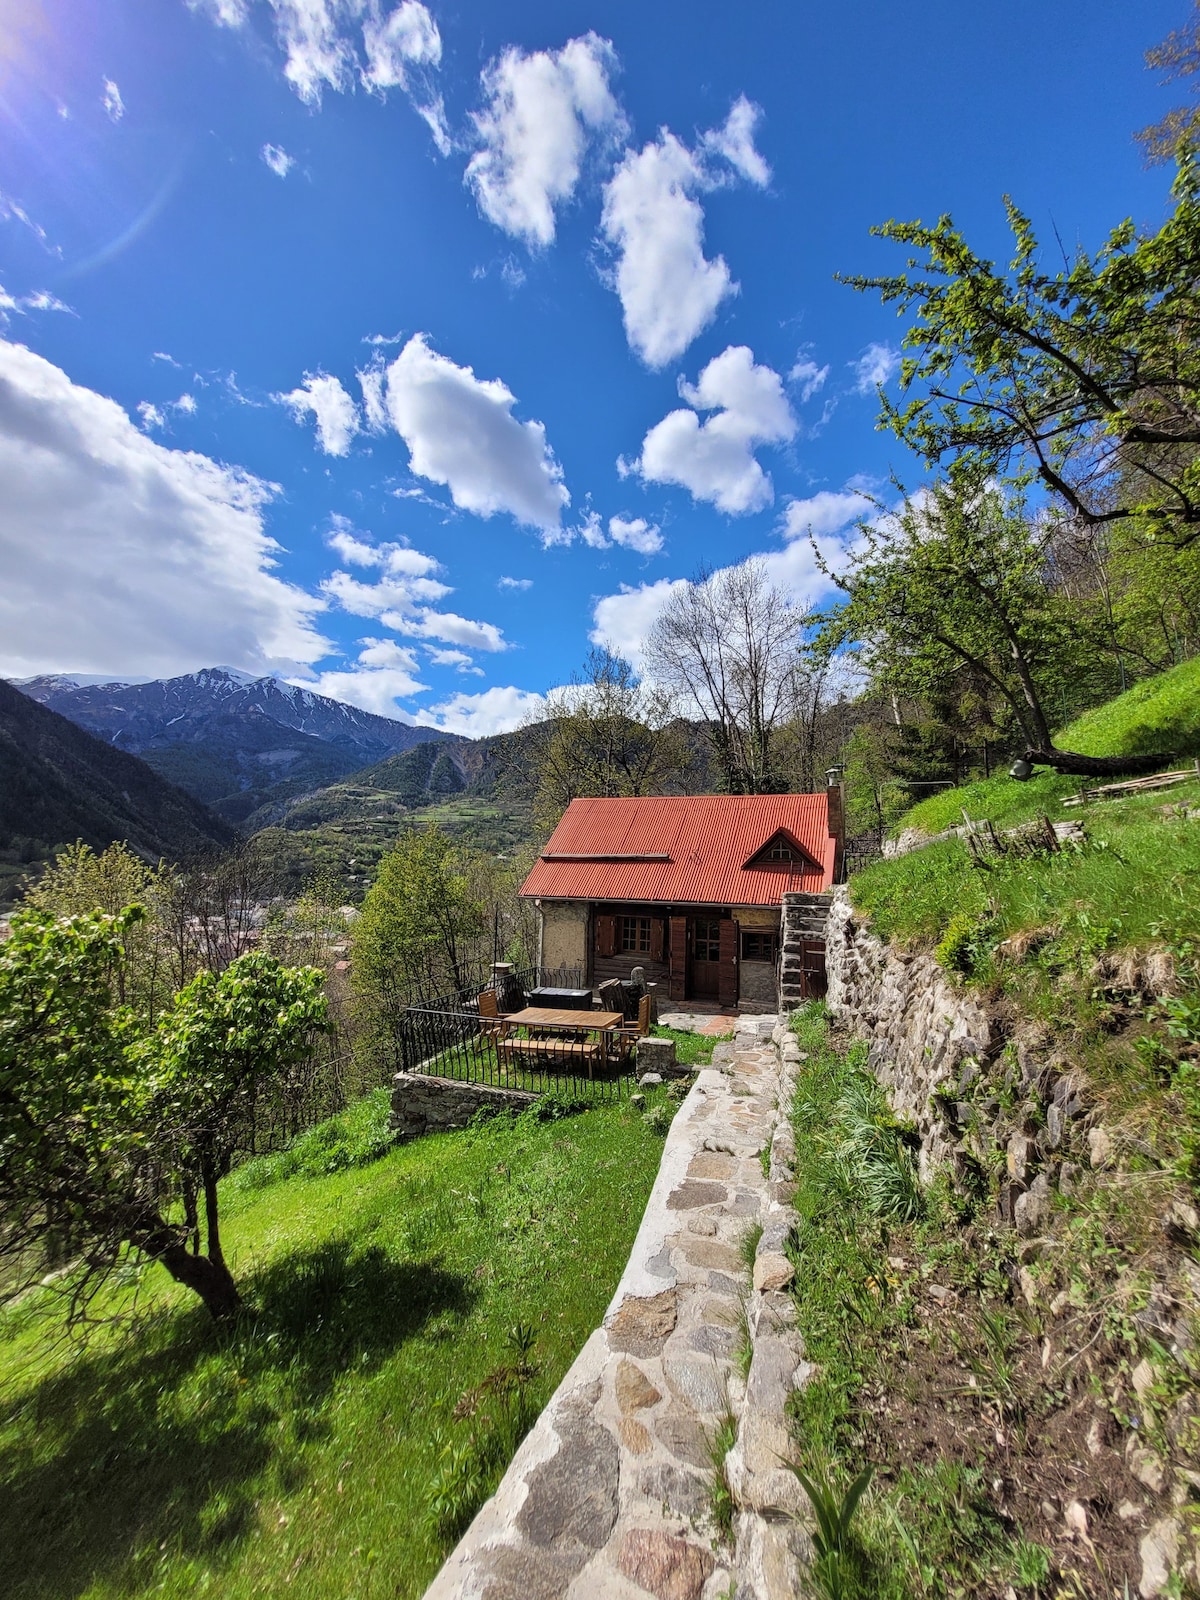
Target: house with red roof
689	887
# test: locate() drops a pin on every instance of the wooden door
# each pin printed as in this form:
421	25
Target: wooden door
727	991
706	957
678	950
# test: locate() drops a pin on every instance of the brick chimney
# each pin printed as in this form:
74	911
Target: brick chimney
837	819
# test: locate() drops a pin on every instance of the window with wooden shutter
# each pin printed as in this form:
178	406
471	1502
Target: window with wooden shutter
656	938
606	936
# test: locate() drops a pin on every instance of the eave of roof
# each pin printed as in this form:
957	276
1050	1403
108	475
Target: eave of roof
684	850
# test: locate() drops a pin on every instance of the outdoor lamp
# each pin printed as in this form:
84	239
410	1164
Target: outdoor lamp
1021	770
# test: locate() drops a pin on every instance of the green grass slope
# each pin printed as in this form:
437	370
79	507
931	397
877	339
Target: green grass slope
302	1454
1160	713
1132	882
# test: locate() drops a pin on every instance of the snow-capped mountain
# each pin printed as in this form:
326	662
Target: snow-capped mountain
237	742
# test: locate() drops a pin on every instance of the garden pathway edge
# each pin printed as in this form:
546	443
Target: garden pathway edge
611	1494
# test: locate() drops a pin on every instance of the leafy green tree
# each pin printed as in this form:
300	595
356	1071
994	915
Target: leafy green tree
1087	378
228	1054
104	1123
1178	56
423	927
953	587
81	880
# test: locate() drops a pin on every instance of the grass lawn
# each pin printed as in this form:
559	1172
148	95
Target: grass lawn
1133	883
299	1454
691	1049
1160	713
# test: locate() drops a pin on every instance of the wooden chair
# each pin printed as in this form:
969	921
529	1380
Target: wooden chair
492	1024
630	1032
611	993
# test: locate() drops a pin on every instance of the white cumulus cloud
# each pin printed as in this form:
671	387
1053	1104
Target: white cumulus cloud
635	533
478	715
336	44
825	512
808	377
325	399
460	431
114	106
540	113
452	629
453	658
514	583
403	595
735	142
385	672
876	365
393	44
622	621
669	290
151	415
714	459
39	300
372	381
120	555
277	158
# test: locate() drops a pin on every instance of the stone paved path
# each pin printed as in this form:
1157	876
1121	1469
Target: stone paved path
610	1494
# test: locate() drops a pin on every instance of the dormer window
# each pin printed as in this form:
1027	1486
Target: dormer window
782	850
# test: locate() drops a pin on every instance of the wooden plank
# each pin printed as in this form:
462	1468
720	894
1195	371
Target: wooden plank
1110	791
556	1017
569	1050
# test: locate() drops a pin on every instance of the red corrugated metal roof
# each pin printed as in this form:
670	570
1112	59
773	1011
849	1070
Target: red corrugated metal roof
708	839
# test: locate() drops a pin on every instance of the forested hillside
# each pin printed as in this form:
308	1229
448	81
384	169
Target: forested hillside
61	784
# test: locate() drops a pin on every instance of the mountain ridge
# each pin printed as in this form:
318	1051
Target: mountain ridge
244	746
60	784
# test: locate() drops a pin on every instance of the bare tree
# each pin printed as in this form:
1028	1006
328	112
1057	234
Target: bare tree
604	735
726	646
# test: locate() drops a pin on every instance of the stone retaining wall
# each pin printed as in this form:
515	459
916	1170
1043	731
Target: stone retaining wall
977	1097
423	1104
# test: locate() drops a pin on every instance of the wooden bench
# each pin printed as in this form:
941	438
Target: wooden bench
549	1049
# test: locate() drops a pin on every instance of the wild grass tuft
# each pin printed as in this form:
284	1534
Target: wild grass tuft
722	1505
354	1138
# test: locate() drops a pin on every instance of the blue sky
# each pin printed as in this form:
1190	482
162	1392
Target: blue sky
404	349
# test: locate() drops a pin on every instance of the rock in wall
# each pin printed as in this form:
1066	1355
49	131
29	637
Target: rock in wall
980	1101
924	1032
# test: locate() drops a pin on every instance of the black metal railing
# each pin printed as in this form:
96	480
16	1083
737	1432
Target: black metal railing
512	988
462	1045
855	860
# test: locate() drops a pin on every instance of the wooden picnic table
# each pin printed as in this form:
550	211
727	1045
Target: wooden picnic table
559	1019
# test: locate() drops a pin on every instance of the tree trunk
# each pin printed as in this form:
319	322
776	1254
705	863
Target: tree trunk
211	1280
1097	766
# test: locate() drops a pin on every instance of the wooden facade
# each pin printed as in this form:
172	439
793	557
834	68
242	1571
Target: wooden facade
690	952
